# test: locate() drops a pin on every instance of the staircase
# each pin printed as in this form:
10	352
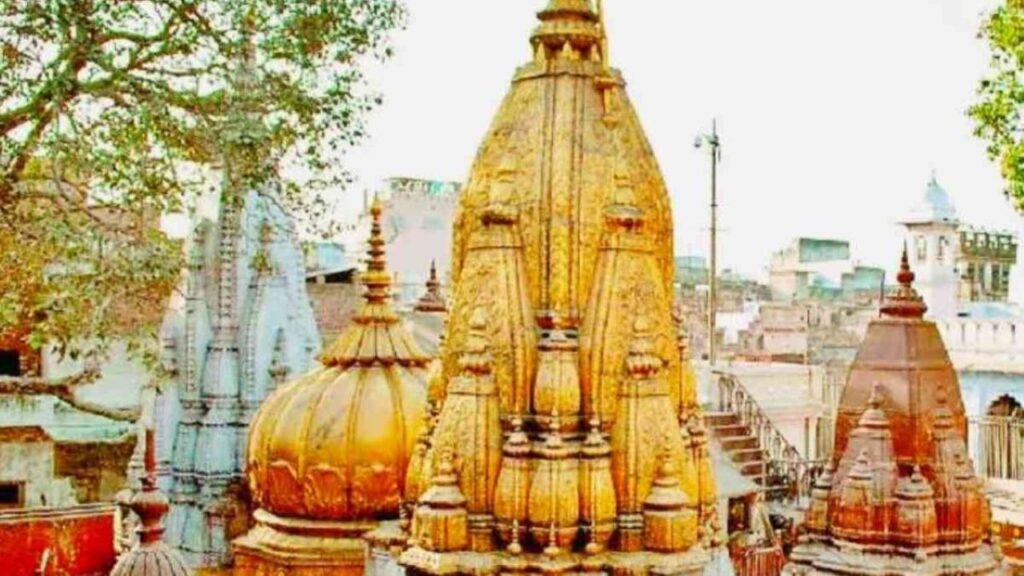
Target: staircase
756	446
737	441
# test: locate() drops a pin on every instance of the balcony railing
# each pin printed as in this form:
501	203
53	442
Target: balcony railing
997	446
789	476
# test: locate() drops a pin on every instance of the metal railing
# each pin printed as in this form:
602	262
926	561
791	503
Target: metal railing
789	476
997	446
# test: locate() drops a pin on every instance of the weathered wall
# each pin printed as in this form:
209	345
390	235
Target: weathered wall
96	470
333	306
27	455
78	541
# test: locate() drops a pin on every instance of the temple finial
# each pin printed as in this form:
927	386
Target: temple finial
905	302
432	300
150	504
377	280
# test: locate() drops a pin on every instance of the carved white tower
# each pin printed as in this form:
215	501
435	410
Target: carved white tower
933	244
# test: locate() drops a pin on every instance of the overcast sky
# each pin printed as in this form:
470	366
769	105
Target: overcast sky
832	113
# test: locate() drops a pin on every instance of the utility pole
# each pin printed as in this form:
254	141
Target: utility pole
715	148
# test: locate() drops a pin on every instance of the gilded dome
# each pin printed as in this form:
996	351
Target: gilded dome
335	443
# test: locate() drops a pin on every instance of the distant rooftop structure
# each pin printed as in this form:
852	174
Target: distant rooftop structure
820	268
813	250
935	207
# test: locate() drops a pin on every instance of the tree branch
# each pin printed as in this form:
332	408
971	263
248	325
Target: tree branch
65	389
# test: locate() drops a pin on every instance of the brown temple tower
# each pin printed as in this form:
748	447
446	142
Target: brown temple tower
561	439
900	496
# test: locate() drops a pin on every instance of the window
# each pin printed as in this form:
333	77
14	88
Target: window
922	248
10	363
943	248
12	494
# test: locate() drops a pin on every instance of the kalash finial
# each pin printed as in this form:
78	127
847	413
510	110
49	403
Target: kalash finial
152	556
377	280
905	302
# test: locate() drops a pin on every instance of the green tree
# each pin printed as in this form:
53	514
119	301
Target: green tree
110	110
997	114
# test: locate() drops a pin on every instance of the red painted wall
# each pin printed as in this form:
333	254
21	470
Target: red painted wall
80	540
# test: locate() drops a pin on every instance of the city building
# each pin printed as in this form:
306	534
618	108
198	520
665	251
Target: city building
985	261
958	264
821	269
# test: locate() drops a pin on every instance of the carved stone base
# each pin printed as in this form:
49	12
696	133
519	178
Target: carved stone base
823	559
292	547
418	561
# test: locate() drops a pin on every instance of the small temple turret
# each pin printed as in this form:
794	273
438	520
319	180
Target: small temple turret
900	495
329	452
564	237
432	300
151	556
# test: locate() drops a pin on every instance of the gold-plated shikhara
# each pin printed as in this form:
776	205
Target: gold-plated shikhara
566	435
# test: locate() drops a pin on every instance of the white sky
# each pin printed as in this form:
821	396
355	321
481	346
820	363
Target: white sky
832	113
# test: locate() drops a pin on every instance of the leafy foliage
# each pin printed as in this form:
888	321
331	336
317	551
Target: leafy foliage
111	112
997	114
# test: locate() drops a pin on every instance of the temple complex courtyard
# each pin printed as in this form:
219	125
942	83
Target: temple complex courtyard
559	287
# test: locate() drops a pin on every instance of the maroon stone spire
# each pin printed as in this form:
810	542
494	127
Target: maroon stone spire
900	496
905	302
432	301
152	557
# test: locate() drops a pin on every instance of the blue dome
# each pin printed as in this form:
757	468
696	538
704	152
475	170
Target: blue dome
936	207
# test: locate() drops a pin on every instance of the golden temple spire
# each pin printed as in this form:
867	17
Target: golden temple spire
377	280
442	522
668	525
375	334
564	233
568	28
605	57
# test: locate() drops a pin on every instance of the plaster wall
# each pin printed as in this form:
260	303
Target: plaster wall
32	462
984	345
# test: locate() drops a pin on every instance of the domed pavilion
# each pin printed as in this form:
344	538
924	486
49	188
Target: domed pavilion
329	452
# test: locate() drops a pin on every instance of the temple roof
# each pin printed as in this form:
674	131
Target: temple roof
904	354
432	300
334	444
900	466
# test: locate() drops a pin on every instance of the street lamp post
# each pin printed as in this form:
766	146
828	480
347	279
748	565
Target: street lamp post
715	149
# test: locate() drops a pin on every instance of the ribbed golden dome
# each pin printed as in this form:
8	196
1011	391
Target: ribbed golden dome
335	443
